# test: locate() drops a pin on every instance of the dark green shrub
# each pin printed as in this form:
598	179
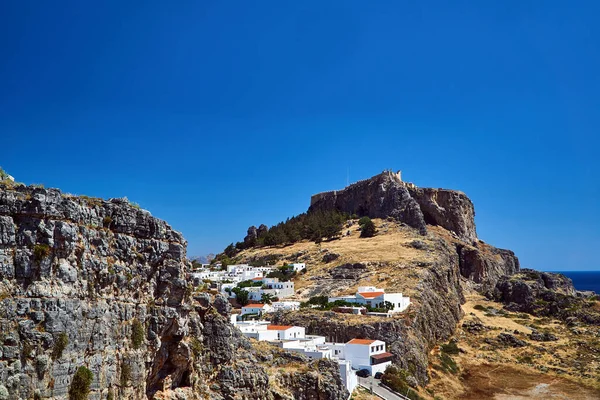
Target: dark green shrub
480	307
137	333
80	386
125	374
60	344
448	364
367	228
450	348
395	379
196	346
363	220
40	251
106	221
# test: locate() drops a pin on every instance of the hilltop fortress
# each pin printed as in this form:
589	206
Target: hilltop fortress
386	195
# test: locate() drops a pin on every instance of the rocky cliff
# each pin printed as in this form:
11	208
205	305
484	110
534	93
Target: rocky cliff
386	195
546	294
102	285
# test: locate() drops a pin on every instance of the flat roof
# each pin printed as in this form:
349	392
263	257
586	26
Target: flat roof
371	295
361	341
279	327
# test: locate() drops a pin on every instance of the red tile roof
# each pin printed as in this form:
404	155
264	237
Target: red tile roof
278	327
371	295
257	279
254	306
361	341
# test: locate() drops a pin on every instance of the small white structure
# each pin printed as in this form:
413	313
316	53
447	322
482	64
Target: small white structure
368	354
273	287
376	298
348	375
296	267
288	332
256	308
286	305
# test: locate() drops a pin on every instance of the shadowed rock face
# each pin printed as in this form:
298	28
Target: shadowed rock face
449	209
385	195
485	264
86	272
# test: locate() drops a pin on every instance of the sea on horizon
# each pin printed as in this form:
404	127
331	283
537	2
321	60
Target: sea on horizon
583	280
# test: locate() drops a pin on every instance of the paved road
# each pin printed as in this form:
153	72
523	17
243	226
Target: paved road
379	390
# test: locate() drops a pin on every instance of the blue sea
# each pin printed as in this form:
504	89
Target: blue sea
584	280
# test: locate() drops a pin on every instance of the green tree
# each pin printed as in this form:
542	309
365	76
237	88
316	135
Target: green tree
230	250
266	298
367	228
242	296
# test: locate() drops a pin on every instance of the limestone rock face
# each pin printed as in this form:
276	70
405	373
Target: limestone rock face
485	264
449	209
381	196
386	195
102	284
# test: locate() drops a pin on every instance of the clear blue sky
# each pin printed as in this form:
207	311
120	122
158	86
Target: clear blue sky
218	115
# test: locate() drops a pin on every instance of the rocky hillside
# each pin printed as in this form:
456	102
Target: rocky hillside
94	297
426	248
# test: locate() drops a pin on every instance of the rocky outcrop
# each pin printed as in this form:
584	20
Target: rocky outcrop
386	195
102	284
485	264
545	294
381	196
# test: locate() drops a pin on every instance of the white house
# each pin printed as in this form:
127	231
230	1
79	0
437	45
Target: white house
286	305
288	332
257	330
368	354
258	309
273	287
375	297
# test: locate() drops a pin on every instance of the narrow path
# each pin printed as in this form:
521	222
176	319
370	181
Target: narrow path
380	390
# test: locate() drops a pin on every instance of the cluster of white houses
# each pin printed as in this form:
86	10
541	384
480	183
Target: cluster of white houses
226	280
354	355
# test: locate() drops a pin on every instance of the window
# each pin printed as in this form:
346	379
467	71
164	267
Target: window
372	348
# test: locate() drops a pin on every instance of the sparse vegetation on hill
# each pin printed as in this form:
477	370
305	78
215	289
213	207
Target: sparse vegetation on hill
313	225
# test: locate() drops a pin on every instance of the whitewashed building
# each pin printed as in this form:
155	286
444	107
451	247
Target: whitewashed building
296	267
273	287
256	308
368	354
375	297
286	305
288	332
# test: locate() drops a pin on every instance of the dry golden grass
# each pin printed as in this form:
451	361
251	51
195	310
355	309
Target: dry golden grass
502	373
361	393
495	321
391	261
